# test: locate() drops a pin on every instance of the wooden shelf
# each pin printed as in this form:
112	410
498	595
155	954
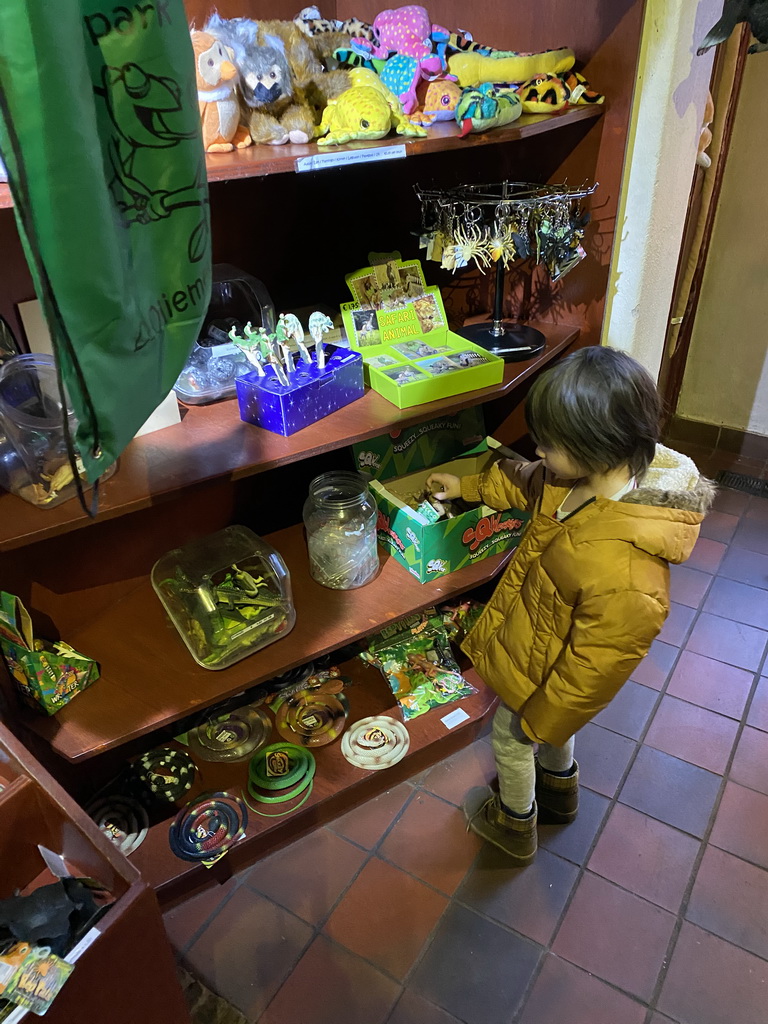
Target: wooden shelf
213	442
150	680
337	785
259	161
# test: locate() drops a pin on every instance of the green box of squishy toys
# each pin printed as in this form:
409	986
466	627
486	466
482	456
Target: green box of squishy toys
427	549
399	326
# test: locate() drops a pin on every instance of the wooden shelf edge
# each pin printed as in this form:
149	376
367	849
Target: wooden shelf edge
173	878
158	466
263	161
112	713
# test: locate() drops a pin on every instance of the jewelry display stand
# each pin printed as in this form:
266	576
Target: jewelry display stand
498	224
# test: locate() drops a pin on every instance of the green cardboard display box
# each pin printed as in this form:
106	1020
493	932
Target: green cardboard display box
429	551
399	326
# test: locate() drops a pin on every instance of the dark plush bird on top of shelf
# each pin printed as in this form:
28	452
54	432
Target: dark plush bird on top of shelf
754	12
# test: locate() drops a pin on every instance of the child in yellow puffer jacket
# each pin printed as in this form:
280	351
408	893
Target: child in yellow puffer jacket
588	588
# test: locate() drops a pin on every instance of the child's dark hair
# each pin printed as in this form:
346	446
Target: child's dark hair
600	407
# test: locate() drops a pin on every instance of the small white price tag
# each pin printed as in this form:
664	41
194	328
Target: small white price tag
344	157
455	718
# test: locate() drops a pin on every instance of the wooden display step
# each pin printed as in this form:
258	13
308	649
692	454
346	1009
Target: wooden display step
150	680
259	161
213	442
338	785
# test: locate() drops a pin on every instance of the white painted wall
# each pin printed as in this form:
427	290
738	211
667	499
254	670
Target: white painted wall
726	376
668	112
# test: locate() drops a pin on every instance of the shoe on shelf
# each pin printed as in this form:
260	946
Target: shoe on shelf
485	817
557	796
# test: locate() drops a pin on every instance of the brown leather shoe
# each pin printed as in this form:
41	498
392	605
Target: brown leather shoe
515	836
557	796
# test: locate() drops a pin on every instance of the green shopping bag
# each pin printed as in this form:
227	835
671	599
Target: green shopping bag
100	134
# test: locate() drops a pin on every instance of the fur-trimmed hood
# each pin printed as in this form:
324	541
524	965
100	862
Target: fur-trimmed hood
662	516
673	481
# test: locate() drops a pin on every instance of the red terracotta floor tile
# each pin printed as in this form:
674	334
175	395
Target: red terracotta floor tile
248	950
750	762
530	900
752	534
741	825
475	969
655	667
707	555
692	733
746	567
738	601
730	898
615	935
308	876
184	921
732	502
386	917
414	1009
675	792
731	642
603	757
712	982
645	856
688	586
431	841
719	526
574	841
711	684
678	624
367	824
758	709
629	710
563	992
332	986
454	777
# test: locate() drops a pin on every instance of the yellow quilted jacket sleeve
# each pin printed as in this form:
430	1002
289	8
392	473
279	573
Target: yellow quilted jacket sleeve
506	484
609	637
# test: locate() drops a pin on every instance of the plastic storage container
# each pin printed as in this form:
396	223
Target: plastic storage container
228	594
215	361
33	452
340	517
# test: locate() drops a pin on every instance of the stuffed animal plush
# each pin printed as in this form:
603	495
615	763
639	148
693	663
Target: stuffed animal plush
474	68
754	12
311	23
547	94
367	110
219	106
437	101
283	84
487	106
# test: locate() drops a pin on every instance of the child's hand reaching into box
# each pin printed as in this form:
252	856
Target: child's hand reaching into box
444	486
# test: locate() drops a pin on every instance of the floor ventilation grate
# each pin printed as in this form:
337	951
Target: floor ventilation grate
742	482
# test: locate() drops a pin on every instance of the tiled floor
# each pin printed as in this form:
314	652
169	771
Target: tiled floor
652	907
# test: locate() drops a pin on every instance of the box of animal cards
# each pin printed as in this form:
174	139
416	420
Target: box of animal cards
432	538
399	326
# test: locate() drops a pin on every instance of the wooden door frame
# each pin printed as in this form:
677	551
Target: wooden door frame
674	363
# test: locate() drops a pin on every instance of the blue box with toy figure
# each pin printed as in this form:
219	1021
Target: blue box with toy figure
310	394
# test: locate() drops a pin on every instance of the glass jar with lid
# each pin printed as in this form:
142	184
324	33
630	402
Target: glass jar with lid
340	518
34	463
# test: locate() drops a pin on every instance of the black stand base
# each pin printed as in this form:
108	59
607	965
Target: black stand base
511	342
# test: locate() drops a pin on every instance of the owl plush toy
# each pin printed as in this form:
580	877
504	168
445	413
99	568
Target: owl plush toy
284	86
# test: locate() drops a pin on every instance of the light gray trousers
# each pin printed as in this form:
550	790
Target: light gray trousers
514	754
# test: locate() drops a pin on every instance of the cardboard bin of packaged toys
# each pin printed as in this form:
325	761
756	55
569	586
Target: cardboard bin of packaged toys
400	466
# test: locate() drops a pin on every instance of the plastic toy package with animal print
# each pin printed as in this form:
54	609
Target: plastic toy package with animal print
414	655
47	674
399	324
